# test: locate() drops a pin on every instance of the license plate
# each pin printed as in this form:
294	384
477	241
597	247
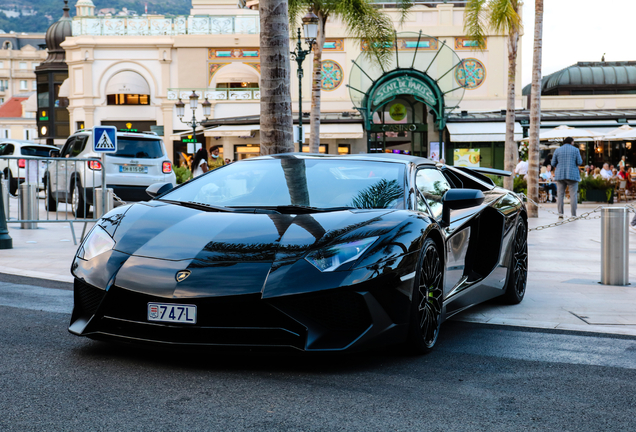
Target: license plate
133	169
177	313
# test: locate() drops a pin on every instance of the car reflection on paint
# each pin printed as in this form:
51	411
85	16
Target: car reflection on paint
302	251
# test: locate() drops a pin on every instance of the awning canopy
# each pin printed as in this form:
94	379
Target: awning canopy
481	132
232	131
127	82
339	130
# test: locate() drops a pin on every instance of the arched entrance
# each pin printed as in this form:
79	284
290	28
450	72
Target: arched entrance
405	102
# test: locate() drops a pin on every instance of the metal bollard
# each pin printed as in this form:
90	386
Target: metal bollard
97	202
614	246
28	205
4	189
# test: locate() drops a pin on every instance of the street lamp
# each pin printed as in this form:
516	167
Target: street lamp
310	28
194	100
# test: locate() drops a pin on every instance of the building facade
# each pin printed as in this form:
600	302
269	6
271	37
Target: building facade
130	71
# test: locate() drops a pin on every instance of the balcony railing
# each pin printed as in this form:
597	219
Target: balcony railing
216	94
160	25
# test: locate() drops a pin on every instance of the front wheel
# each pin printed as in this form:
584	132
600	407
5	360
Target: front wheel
518	270
13	182
50	203
426	309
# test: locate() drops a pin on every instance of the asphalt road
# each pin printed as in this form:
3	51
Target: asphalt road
489	378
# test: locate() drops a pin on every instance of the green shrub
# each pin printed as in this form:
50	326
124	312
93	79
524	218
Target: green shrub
183	174
520	185
599	183
497	180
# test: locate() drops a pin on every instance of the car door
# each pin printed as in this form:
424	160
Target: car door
58	171
432	185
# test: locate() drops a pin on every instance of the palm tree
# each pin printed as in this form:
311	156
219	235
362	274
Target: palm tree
276	113
535	112
363	21
502	17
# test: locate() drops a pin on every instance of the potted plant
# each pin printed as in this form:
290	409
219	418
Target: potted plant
596	189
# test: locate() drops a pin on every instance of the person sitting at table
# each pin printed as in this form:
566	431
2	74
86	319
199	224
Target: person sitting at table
587	171
550	186
606	173
597	173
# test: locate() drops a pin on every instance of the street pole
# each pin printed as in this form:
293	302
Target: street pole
194	130
6	242
300	60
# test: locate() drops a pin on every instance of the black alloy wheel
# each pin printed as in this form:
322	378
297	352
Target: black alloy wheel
13	182
518	271
50	203
427	300
78	205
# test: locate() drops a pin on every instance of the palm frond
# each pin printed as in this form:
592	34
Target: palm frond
367	23
476	20
504	17
404	7
379	195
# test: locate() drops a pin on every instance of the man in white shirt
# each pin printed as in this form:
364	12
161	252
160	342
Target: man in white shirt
606	173
521	168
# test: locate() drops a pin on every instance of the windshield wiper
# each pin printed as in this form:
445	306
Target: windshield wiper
200	206
295	209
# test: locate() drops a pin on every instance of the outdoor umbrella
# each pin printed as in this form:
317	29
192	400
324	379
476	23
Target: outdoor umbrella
611	135
563	131
624	135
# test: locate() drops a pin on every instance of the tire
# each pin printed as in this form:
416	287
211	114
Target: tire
50	203
78	205
426	306
13	182
518	270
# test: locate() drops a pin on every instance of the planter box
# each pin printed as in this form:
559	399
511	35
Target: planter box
599	195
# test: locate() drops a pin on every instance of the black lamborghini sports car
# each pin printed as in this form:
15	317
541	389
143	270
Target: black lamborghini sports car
302	251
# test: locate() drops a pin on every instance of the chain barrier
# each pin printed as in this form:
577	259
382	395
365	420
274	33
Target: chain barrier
586	215
119	200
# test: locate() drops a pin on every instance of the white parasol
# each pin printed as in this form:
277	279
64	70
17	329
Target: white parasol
624	135
611	135
563	131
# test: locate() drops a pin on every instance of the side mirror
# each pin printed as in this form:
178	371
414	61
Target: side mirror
156	189
457	199
54	153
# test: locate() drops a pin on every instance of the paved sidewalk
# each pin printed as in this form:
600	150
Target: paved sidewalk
563	290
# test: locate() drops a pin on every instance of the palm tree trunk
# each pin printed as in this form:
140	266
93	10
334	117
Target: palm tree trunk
276	114
511	151
535	112
316	85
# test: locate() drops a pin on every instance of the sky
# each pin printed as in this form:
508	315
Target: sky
579	30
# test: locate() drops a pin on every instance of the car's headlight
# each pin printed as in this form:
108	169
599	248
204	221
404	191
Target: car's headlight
97	243
330	258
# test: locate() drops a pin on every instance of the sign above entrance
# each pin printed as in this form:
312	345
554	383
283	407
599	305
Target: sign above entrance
402	85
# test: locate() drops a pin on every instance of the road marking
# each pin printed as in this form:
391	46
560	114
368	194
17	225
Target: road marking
36	298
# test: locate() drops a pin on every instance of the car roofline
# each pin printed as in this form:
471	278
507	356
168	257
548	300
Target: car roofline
370	157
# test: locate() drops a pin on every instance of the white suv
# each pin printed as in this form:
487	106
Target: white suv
15	170
140	160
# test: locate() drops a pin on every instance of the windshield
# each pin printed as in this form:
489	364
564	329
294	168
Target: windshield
36	151
318	183
138	148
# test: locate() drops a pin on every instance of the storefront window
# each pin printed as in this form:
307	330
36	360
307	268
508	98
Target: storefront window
237	85
128	99
246	151
344	149
324	148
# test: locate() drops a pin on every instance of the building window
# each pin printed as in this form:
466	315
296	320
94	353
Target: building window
4	84
29	134
128	99
344	149
24	85
7	45
34	85
5	133
1	65
323	148
23	65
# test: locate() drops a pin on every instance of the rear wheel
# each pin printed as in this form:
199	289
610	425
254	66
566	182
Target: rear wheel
78	204
13	182
426	312
518	270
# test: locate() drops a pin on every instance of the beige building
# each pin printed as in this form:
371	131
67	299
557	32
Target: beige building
130	71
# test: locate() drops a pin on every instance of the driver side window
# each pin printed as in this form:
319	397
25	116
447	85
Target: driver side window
432	186
66	151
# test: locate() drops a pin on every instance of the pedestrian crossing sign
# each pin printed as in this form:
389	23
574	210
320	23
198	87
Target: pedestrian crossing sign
104	139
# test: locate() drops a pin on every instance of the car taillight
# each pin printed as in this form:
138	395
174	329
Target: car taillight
21	163
95	165
167	167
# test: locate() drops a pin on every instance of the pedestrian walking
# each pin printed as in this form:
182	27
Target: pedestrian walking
215	161
566	161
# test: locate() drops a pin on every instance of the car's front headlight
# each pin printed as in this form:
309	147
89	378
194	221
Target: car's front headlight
97	243
332	257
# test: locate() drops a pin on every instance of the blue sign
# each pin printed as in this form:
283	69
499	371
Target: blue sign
104	139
